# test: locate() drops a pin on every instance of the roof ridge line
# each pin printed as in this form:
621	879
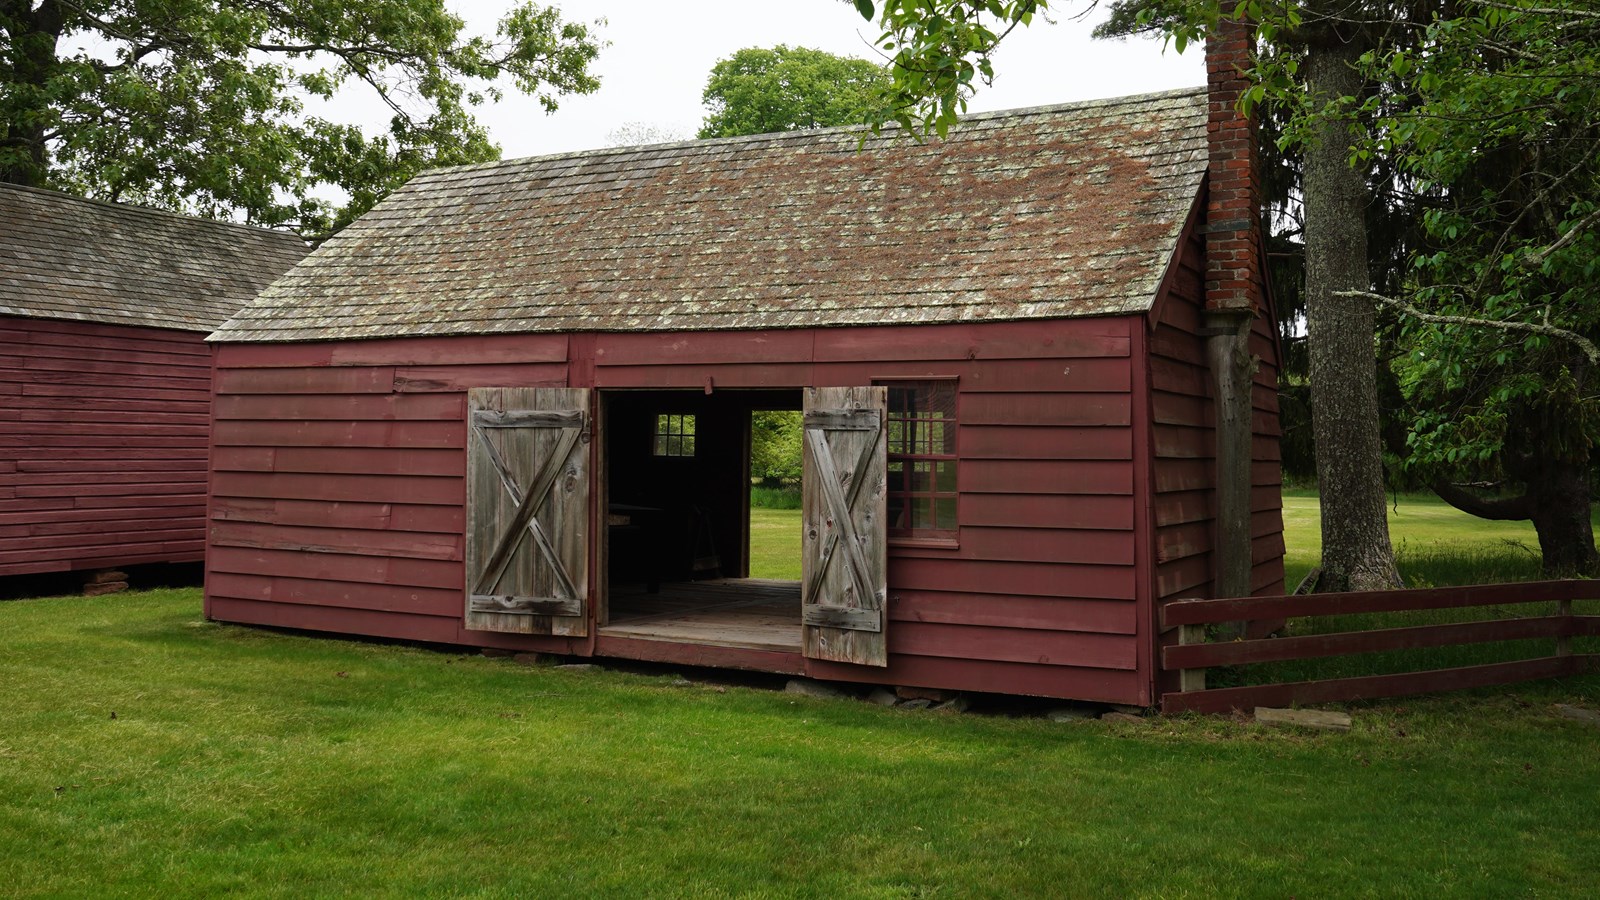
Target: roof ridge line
807	133
154	210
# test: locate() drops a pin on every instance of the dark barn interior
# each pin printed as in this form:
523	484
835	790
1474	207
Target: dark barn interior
677	499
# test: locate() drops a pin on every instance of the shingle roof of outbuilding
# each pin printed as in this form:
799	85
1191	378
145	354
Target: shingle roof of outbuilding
1070	210
64	257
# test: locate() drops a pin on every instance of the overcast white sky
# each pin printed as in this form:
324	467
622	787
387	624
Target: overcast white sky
661	52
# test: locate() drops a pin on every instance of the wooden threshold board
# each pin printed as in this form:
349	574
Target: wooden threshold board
726	612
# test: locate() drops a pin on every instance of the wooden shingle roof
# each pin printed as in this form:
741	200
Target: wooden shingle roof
64	257
1070	210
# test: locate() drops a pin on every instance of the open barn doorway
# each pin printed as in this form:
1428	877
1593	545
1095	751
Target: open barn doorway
679	558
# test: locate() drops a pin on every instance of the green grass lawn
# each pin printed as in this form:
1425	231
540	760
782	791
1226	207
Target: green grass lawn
146	752
775	544
1435	543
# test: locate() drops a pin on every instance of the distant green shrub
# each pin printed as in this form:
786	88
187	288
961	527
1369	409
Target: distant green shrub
780	497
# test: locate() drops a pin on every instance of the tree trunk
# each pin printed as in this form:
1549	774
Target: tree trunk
31	58
1559	498
1356	553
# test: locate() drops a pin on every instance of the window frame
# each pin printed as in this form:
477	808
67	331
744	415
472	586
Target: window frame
685	420
939	539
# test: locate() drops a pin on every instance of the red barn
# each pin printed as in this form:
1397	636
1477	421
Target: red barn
105	376
510	407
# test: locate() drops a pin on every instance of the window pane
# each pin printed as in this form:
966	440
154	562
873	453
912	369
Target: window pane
674	435
921	436
921	512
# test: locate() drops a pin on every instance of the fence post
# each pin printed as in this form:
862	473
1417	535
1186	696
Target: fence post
1191	679
1564	639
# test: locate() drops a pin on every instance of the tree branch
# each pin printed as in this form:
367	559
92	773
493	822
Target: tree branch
1536	259
1538	10
1496	508
1587	346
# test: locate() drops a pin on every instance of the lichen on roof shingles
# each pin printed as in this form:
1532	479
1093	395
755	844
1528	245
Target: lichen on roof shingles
1041	213
64	257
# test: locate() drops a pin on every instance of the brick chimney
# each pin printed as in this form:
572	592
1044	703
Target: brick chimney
1234	292
1233	247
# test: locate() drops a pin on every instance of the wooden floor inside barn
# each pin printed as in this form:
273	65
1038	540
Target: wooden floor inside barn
727	612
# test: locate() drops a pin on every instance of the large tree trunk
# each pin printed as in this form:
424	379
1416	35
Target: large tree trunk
1356	553
31	61
1560	511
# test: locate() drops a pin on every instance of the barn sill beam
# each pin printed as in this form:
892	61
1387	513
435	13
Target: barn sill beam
1233	374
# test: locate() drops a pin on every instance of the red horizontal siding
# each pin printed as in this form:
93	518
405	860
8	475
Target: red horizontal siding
338	487
105	433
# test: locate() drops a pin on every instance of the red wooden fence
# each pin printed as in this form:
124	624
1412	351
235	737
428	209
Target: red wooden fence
1193	655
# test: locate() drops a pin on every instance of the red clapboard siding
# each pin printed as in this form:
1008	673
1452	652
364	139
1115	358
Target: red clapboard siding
419	379
344	539
1024	579
1049	613
703	348
355	408
343	460
1011	442
394	516
338	486
378	380
1109	512
45	383
1045	409
1027	645
1027	679
1011	544
335	619
104	432
157	354
984	376
749	375
44	525
120	532
311	592
1074	339
1047	476
97	518
430	573
292	433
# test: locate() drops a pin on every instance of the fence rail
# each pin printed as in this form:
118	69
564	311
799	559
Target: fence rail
1194	654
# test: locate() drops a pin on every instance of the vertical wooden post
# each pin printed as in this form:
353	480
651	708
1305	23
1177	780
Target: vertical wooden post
1232	372
1564	639
1191	679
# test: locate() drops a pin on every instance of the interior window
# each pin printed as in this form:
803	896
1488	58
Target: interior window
674	435
922	459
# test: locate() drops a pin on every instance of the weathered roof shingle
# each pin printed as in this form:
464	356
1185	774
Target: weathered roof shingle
64	257
1062	211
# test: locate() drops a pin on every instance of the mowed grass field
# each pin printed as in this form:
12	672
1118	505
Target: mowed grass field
1436	543
147	752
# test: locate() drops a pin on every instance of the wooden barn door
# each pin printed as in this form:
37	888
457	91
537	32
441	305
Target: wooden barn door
844	552
527	550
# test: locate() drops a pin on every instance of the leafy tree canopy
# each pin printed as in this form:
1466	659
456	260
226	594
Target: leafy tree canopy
759	91
940	53
214	107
